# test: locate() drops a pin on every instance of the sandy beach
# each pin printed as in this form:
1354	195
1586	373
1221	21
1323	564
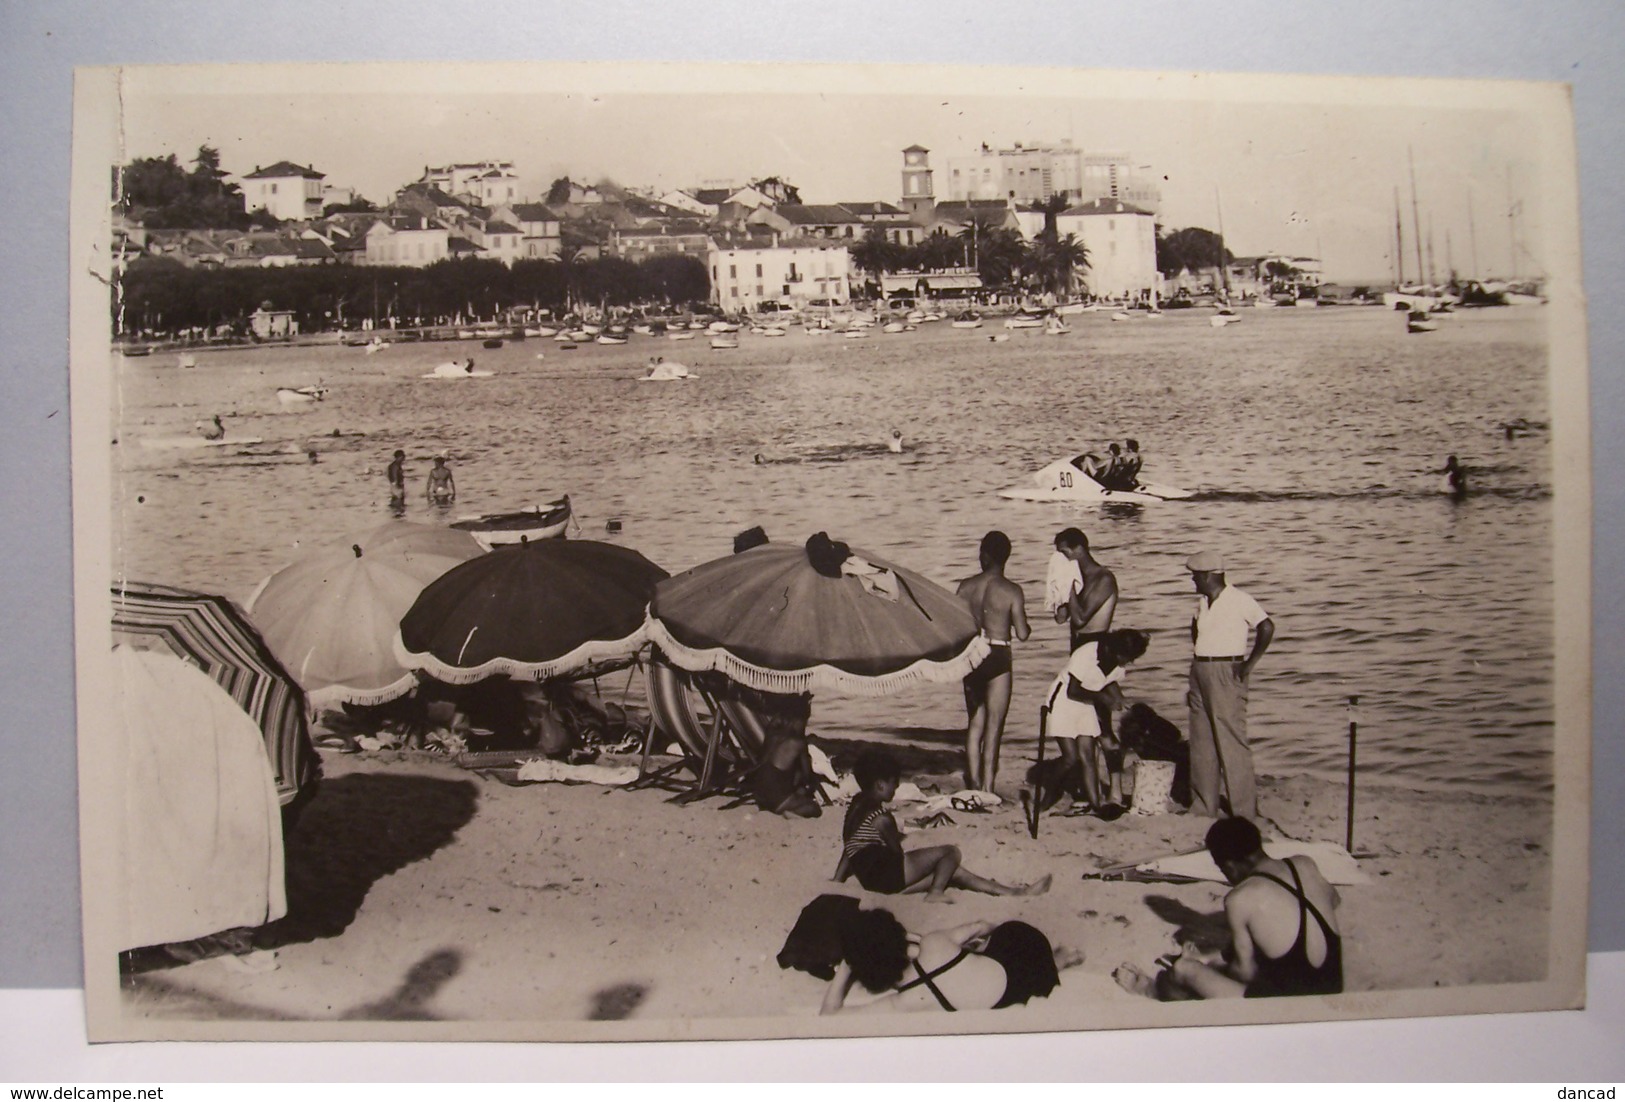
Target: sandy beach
419	891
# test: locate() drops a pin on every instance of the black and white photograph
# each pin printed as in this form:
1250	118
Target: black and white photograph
647	552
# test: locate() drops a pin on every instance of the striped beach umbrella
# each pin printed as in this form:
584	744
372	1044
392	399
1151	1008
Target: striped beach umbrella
530	611
213	634
772	619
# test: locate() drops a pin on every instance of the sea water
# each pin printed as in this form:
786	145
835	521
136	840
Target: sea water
1310	436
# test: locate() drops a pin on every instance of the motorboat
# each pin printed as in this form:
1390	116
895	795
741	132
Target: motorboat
724	342
300	395
1024	321
1419	321
665	371
970	319
605	338
1064	480
679	335
543	522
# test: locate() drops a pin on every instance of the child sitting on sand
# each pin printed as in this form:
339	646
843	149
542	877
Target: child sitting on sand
873	846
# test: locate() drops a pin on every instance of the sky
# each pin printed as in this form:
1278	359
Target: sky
1306	170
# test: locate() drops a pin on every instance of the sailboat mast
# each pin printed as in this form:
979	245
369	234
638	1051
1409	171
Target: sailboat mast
1512	224
1399	243
1416	221
1449	257
1433	277
1224	269
1472	234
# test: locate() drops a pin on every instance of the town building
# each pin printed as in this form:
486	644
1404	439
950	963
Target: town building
680	238
919	196
900	228
539	229
688	202
747	271
406	243
1114	175
1022	173
956	215
498	240
1122	243
817	220
286	191
474	180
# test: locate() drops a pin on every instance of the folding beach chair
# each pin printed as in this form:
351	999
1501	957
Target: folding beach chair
716	752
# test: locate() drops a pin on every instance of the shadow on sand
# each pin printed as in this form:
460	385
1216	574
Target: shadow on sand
357	830
1208	932
410	1001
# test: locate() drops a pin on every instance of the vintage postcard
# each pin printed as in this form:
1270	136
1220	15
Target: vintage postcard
587	552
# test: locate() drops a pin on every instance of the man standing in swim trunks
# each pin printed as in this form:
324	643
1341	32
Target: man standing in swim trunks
1000	612
1284	936
397	478
441	487
1088	610
1221	757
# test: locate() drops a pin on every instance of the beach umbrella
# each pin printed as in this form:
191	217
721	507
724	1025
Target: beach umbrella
790	619
199	839
530	611
214	635
331	617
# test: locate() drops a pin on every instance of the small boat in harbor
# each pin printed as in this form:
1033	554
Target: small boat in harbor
855	334
493	530
679	335
666	371
892	327
1024	321
1065	480
491	342
377	344
724	342
1056	328
970	319
291	396
774	331
605	338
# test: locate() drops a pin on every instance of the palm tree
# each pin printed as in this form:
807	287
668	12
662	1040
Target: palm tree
1053	263
876	254
1051	209
997	252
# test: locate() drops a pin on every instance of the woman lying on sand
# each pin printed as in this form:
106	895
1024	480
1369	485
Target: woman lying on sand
980	966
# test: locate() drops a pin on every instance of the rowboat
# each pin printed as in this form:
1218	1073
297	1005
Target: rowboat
605	338
491	530
968	320
1024	321
724	342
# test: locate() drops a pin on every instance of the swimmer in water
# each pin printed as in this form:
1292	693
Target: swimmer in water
895	444
1455	483
212	430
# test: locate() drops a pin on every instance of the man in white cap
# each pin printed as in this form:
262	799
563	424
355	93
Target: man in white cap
1221	759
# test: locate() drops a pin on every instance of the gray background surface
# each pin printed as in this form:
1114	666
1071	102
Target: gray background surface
41	42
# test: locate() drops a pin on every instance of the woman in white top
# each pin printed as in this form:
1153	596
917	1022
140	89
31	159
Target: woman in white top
1080	704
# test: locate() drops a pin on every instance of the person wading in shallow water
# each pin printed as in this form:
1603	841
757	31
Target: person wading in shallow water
397	478
442	488
1000	611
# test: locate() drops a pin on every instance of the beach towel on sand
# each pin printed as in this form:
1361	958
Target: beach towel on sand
200	847
1061	579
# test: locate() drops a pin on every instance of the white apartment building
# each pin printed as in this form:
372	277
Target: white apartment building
1029	173
290	192
412	246
797	273
1122	243
488	182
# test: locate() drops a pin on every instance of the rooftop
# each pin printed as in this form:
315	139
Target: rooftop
284	169
1105	206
